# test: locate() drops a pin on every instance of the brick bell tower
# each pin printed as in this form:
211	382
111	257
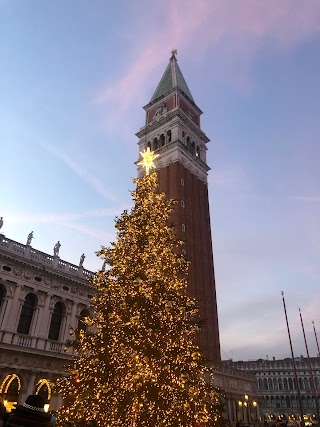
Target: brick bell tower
172	130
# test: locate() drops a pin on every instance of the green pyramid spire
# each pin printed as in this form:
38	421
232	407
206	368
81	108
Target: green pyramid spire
172	78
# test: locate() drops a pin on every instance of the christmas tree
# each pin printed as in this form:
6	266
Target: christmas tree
138	364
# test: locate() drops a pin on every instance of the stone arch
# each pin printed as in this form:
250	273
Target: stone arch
162	140
300	380
57	316
3	297
193	147
183	137
149	144
310	401
10	389
169	136
288	402
3	293
275	384
155	144
27	313
82	326
272	402
280	384
44	389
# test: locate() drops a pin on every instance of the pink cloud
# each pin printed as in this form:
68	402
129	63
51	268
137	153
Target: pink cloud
307	199
240	28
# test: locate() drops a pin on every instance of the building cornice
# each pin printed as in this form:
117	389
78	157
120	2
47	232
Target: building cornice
176	151
177	114
41	262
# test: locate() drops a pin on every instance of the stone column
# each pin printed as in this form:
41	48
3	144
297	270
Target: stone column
70	322
29	389
4	310
229	409
175	133
234	410
9	322
27	251
44	318
31	383
55	402
56	261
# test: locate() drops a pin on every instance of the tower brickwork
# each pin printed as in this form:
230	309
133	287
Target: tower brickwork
172	130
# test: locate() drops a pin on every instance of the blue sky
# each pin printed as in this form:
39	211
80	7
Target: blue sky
74	78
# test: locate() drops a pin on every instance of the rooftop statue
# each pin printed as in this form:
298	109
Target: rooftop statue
81	260
56	248
29	239
1	222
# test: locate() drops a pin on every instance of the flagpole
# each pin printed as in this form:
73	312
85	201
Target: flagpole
315	334
310	368
292	356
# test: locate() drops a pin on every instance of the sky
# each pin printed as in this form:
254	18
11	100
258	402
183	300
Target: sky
74	77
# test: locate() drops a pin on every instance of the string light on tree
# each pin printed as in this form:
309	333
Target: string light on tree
137	363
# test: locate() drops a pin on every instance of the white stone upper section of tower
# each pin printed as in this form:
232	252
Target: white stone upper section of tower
172	127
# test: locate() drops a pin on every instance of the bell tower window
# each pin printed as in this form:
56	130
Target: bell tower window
169	136
193	147
183	137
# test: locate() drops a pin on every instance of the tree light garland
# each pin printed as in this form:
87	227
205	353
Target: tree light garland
138	364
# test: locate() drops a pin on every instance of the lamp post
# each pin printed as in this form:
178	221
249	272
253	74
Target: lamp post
255	405
246	404
240	406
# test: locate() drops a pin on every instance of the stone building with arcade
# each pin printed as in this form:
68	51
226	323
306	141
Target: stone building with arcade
42	298
279	394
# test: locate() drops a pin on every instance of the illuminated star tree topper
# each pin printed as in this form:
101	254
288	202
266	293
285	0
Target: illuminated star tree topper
147	160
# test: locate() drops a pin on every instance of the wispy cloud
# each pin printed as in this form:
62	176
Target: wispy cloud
244	28
103	237
26	218
307	199
95	183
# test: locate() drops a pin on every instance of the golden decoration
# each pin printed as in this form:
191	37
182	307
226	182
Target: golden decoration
147	160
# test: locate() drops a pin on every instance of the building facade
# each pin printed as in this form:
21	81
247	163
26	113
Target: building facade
42	298
278	393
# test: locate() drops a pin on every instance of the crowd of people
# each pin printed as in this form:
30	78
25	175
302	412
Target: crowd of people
32	414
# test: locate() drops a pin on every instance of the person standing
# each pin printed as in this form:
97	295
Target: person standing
30	414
